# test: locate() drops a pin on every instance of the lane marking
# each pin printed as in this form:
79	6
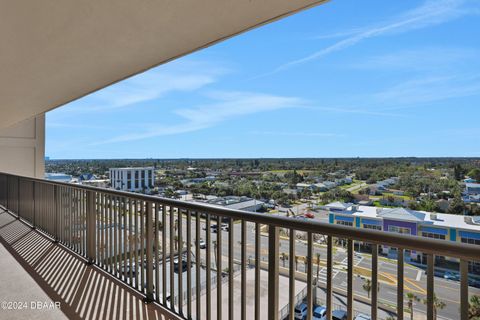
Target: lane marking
419	275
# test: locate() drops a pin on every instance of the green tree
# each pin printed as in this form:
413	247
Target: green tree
437	305
457	206
474	308
411	298
458	172
367	286
474	174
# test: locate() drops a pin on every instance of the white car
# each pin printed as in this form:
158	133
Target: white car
202	244
362	316
301	311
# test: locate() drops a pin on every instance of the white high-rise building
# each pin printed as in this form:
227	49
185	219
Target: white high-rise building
132	179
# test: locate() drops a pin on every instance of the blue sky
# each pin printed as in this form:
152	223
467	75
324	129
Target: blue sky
345	79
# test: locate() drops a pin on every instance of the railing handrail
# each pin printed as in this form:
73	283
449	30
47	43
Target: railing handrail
432	246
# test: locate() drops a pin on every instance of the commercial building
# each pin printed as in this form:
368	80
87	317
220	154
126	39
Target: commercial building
58	177
472	193
132	179
448	227
472	188
238	203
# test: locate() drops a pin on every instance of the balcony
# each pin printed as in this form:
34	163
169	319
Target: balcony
143	255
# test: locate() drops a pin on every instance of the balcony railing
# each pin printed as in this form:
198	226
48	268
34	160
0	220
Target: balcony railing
153	244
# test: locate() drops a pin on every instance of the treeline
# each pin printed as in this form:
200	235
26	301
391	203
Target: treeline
365	168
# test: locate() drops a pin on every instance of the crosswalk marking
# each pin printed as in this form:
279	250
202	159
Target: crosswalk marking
322	275
356	261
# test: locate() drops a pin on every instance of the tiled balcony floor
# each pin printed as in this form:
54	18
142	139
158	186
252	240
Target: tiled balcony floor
33	269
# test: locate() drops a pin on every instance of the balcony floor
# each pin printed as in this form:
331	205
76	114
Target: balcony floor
34	269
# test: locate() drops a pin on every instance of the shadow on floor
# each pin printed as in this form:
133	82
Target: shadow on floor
84	292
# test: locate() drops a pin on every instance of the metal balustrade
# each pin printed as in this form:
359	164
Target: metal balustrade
152	244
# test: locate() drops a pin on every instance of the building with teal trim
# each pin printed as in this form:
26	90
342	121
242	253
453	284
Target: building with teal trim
446	227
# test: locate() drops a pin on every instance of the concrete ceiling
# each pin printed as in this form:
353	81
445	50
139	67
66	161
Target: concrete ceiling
55	51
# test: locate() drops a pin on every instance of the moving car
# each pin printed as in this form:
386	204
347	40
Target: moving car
202	244
450	275
309	215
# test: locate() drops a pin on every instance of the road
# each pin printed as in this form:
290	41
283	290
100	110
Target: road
415	280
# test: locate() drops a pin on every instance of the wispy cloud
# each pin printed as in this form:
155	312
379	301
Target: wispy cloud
178	76
355	111
431	13
421	59
298	134
225	106
420	91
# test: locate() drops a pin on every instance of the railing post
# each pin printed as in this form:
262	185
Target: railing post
309	257
464	305
273	272
329	292
430	286
149	244
400	274
350	280
7	197
91	226
55	211
374	302
34	222
17	209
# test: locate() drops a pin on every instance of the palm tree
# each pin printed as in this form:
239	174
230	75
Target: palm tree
318	265
367	286
284	258
176	242
318	274
474	307
175	228
437	305
411	298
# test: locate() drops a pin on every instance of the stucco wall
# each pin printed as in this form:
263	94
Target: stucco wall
22	148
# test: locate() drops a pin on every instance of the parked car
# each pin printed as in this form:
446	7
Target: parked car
474	283
450	275
301	311
320	313
214	228
177	266
225	227
202	244
339	315
362	316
